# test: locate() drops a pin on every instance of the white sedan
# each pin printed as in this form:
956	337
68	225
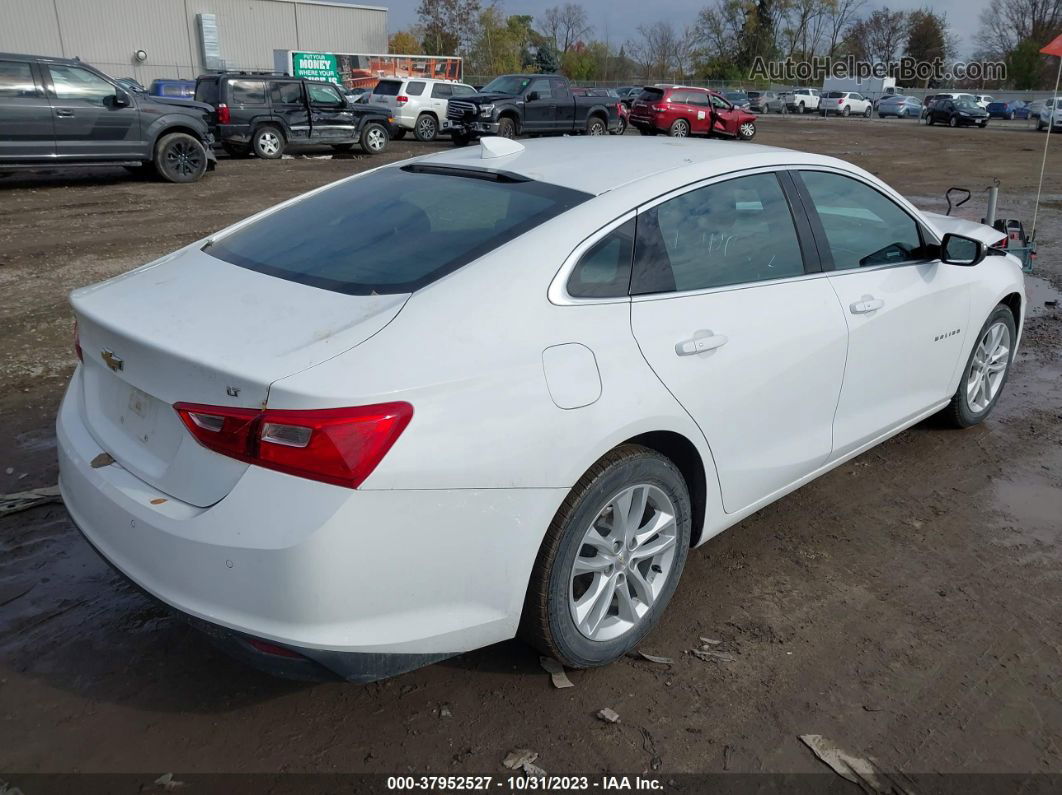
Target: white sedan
516	398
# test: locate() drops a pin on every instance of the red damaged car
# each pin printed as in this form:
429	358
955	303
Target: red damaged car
681	111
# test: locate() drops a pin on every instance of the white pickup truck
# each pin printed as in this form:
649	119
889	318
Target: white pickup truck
802	100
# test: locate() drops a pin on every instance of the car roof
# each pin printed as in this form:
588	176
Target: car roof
588	163
18	56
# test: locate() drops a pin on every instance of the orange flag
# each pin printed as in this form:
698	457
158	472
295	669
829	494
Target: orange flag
1054	48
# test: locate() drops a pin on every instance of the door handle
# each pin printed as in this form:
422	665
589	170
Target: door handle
867	303
65	114
701	342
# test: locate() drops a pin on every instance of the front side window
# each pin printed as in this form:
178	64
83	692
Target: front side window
732	232
604	271
16	80
463	90
73	83
864	228
719	103
248	92
542	87
393	230
323	95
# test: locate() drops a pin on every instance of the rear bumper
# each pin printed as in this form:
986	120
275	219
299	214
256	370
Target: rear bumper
364	583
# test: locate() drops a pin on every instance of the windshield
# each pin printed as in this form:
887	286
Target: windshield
507	84
393	230
739	95
968	104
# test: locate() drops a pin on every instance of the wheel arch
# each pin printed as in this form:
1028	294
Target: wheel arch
512	115
175	127
683	454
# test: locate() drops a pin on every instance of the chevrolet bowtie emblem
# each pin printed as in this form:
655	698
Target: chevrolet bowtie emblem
112	361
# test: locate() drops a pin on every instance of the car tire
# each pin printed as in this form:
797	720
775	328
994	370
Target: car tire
902	113
630	475
800	107
460	139
976	396
846	111
867	112
596	126
268	142
680	128
953	121
621	128
1010	116
982	124
929	120
746	130
180	157
506	128
426	129
374	138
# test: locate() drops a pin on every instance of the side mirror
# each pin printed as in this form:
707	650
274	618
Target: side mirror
959	250
532	96
121	98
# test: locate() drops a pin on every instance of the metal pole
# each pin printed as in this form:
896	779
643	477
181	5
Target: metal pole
993	196
1043	163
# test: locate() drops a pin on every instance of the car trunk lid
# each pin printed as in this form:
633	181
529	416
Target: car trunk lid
196	329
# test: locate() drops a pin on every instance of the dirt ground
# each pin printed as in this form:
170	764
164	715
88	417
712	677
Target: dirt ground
906	605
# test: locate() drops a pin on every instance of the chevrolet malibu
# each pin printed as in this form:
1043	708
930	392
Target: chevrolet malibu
514	399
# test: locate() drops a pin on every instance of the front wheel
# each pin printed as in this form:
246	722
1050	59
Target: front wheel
680	128
867	112
986	371
982	124
953	121
506	128
180	157
747	130
374	138
611	559
930	121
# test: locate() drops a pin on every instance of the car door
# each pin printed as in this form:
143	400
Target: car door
907	312
538	107
731	313
331	119
90	120
564	116
700	112
289	105
27	129
440	98
724	116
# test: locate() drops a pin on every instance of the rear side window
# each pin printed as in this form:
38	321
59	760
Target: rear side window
604	271
732	232
248	92
387	88
415	88
206	91
393	230
285	93
16	80
442	91
864	227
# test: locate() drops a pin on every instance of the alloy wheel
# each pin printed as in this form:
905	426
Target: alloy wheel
624	561
988	368
269	143
748	129
426	129
183	158
375	139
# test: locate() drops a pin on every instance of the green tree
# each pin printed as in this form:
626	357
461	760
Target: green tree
497	46
546	58
405	42
579	63
1025	66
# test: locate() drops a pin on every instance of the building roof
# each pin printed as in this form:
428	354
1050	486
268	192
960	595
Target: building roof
597	164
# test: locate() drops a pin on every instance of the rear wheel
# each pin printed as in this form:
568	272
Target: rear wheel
180	157
680	128
611	559
986	371
268	142
374	138
427	128
596	127
622	127
800	108
847	111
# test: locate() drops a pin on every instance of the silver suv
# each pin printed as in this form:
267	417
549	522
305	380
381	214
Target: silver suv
418	103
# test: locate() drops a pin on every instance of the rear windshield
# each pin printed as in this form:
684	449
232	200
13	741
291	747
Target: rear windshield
834	94
651	94
206	91
393	230
387	88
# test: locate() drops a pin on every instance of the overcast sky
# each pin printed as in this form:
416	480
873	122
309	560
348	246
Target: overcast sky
620	18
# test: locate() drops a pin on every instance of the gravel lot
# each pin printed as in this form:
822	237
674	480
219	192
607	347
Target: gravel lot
905	605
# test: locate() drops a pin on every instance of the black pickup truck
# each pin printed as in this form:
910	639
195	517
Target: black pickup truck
512	105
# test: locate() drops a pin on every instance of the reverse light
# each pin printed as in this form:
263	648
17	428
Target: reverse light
341	446
223	114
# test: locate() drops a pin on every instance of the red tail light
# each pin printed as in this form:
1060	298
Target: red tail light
77	343
401	100
657	108
223	114
340	446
